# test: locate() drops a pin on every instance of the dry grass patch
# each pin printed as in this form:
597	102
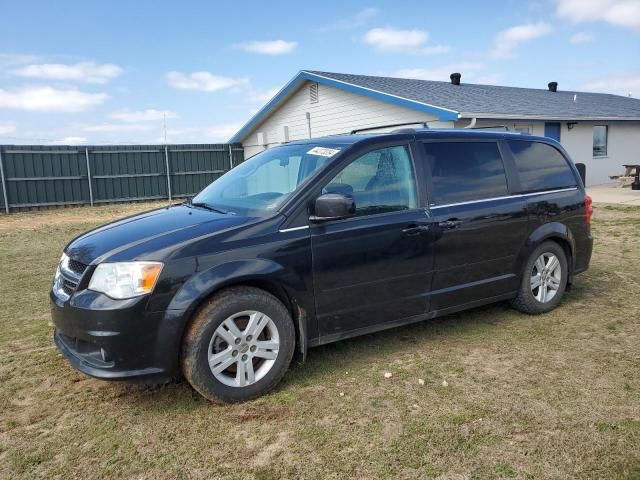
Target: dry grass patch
553	396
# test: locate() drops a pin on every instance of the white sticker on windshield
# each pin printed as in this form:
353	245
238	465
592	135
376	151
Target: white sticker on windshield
323	151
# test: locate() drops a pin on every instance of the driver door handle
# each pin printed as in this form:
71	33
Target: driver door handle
450	224
415	229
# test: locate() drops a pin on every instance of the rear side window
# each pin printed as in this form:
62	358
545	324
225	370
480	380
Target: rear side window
541	167
464	171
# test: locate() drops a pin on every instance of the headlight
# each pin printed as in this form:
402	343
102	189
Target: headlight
125	279
57	280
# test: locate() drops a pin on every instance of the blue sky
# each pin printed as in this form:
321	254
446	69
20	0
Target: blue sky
111	71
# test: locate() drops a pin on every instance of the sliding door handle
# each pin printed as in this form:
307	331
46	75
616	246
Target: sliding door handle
450	224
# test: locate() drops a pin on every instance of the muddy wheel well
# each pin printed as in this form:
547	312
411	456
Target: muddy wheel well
271	288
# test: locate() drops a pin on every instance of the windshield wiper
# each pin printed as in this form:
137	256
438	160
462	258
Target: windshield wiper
207	206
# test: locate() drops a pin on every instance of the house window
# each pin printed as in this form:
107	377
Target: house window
523	129
600	134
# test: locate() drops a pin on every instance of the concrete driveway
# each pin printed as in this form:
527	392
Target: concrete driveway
614	194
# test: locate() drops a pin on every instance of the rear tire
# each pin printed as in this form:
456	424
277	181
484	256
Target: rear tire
544	280
238	346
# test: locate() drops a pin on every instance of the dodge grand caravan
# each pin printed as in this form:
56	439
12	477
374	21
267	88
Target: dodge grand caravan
316	241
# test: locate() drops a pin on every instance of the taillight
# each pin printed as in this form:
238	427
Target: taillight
588	209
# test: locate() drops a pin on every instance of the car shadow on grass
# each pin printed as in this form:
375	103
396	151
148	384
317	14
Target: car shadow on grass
324	362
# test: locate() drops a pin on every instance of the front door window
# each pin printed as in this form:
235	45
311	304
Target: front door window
380	181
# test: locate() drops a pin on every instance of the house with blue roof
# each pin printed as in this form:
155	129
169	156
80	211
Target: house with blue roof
598	129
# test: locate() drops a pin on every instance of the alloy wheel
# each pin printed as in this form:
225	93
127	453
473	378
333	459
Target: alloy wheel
546	276
243	349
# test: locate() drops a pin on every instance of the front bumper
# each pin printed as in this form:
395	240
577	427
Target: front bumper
116	339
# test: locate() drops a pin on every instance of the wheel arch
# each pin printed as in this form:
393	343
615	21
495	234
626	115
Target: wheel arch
263	274
553	231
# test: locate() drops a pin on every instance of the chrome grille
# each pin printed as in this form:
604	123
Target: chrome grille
68	277
76	266
68	286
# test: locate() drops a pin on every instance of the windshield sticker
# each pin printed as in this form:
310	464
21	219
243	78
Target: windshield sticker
323	151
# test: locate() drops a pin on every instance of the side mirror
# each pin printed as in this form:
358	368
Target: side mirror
333	206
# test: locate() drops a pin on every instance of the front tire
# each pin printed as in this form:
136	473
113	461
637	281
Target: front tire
544	280
238	346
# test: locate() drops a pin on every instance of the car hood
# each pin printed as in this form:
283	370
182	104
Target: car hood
150	235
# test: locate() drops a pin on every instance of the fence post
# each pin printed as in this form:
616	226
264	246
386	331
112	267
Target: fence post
230	158
166	161
86	154
4	185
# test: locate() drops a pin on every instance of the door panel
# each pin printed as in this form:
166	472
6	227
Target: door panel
371	270
478	227
375	267
476	258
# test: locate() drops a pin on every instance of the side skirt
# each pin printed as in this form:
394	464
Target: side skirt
335	337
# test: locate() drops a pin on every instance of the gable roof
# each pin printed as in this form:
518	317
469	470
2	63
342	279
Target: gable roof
451	102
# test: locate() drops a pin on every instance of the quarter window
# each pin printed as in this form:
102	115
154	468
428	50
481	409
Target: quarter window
541	166
600	137
465	171
380	181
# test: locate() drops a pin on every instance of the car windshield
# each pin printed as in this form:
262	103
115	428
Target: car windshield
261	184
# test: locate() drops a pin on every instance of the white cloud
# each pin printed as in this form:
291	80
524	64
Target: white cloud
204	81
207	134
49	99
222	132
622	83
393	40
70	141
148	115
7	128
88	72
580	38
435	49
262	96
119	127
271	47
14	59
358	20
472	72
408	41
624	13
507	41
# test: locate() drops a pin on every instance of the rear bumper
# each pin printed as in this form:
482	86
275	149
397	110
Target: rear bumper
583	255
116	340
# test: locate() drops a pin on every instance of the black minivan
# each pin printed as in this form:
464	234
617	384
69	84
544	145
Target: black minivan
316	241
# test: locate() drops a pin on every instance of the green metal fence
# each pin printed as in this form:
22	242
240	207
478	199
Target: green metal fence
43	176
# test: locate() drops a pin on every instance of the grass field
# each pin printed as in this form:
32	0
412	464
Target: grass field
505	395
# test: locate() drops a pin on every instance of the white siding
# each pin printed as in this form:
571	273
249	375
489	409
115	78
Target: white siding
337	111
623	145
535	127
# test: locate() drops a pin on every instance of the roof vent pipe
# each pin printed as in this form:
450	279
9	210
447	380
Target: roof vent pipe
455	78
553	86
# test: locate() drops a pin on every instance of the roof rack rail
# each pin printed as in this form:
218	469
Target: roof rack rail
358	130
492	127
